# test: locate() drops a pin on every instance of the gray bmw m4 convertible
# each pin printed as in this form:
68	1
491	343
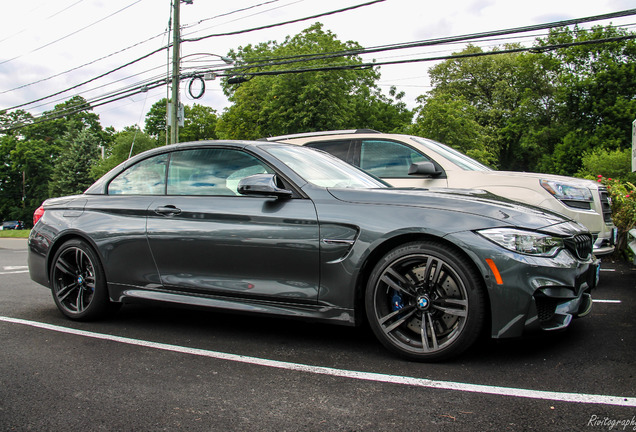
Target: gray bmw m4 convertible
270	228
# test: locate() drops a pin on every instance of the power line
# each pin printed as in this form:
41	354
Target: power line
70	34
438	58
85	64
229	13
89	80
122	94
246	16
186	40
242	70
49	17
436	41
237	32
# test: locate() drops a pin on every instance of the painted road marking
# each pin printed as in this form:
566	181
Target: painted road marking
606	301
343	373
14	269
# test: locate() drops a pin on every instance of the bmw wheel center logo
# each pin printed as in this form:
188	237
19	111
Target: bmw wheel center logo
423	302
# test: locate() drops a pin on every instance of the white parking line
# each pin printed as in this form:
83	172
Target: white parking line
14	270
366	376
605	301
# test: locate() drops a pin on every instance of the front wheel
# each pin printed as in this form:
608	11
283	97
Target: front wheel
425	302
78	283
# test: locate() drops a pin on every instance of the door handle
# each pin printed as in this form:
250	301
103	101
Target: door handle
168	210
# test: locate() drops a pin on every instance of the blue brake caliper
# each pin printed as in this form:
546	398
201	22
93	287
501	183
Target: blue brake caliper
396	301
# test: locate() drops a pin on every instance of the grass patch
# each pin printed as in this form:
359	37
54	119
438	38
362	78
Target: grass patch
14	233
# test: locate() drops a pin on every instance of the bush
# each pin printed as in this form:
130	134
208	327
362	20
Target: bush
616	164
623	195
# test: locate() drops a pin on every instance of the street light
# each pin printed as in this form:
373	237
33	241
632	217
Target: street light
226	60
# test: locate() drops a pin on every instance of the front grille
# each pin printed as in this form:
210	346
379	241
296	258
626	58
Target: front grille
606	205
580	245
545	308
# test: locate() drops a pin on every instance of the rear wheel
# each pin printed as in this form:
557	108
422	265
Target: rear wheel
78	283
424	301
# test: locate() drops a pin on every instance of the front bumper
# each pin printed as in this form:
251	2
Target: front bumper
554	307
535	293
605	242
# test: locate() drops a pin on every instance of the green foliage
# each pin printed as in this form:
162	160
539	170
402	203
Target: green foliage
594	94
610	163
305	102
25	169
453	121
15	233
199	124
71	174
155	124
538	111
623	195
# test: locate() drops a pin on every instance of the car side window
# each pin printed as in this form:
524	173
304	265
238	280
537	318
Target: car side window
388	159
147	177
341	149
211	171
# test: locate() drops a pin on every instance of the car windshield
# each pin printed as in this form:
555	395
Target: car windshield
322	169
459	159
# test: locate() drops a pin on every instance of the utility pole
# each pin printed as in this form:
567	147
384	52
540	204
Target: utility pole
174	103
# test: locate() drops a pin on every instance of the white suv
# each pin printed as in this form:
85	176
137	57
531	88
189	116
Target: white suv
410	161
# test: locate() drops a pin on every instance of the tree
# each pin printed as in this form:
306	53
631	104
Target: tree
30	153
537	111
71	116
25	170
155	124
595	87
453	121
304	101
616	164
199	124
72	173
486	105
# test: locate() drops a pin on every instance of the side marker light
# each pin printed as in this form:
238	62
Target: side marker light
495	271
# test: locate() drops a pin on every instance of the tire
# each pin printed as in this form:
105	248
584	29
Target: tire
425	302
78	283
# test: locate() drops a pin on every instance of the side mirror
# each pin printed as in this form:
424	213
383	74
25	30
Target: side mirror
262	185
424	168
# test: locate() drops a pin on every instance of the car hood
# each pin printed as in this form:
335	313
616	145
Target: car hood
470	201
538	176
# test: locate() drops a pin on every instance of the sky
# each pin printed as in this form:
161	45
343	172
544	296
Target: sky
49	46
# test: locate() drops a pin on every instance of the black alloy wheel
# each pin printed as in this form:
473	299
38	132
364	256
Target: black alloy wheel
425	302
78	284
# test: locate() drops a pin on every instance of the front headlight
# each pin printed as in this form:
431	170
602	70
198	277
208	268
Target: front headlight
525	242
567	191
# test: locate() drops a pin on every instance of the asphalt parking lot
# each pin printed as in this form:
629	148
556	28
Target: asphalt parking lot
165	368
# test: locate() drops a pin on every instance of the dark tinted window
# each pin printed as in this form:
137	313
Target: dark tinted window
210	171
388	158
340	149
147	177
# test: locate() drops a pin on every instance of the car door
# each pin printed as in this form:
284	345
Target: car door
117	221
208	239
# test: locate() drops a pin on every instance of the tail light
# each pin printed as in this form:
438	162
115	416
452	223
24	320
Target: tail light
38	214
